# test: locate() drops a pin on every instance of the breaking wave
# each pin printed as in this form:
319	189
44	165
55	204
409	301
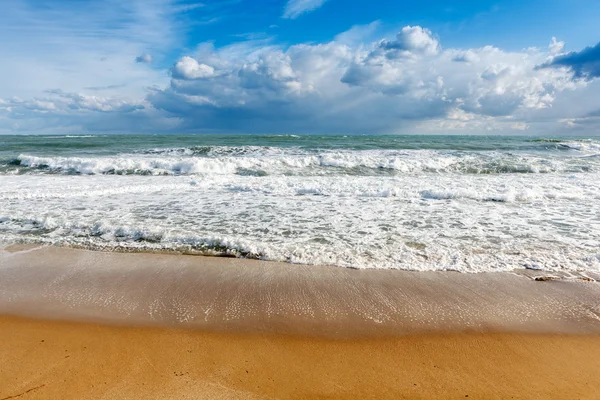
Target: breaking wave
468	204
409	255
261	161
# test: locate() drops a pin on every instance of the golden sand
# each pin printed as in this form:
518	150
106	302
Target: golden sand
155	326
57	360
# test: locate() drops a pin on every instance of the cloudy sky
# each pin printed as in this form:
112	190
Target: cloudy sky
300	66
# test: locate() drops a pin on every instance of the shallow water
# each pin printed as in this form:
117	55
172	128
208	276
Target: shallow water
465	203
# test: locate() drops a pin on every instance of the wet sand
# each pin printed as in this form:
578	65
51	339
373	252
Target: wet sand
235	295
82	324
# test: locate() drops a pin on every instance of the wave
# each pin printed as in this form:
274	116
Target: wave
584	146
542	140
105	236
508	196
69	136
575	146
216	151
318	251
66	192
257	161
419	221
433	189
404	188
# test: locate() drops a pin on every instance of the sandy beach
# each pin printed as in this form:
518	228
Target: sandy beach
299	199
50	360
84	324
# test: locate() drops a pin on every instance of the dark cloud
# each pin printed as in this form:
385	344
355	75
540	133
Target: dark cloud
585	63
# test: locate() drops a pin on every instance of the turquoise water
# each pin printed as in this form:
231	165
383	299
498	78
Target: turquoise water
496	154
118	144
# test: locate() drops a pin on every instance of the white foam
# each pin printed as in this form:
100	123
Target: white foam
589	147
226	161
406	209
419	221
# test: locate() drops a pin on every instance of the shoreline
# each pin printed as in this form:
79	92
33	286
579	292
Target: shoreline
533	273
79	324
238	295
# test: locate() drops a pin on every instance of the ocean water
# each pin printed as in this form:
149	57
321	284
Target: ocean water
464	203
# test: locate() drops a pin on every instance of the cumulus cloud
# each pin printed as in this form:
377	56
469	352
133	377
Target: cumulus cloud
467	56
407	83
144	58
272	71
295	8
189	68
584	63
356	83
410	40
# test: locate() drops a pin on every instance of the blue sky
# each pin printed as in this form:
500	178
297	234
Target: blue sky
300	66
462	23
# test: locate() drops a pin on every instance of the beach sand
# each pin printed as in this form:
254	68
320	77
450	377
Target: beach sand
79	324
58	360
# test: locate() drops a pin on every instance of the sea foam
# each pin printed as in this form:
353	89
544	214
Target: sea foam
417	209
190	161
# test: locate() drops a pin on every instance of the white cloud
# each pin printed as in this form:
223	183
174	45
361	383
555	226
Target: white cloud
410	40
189	68
409	83
272	71
556	47
358	82
295	8
59	102
71	112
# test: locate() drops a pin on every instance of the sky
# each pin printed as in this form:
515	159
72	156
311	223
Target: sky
300	66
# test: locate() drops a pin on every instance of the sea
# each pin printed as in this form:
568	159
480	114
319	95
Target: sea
423	203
